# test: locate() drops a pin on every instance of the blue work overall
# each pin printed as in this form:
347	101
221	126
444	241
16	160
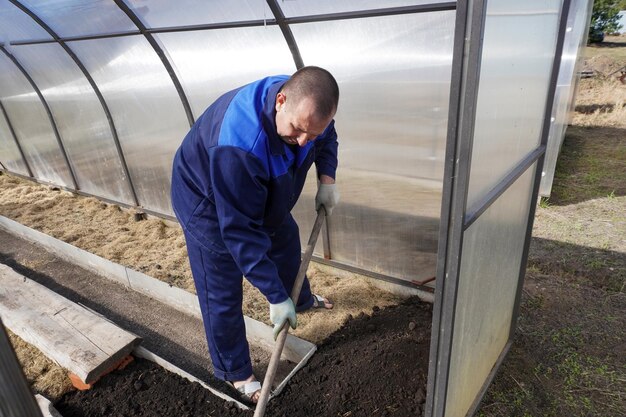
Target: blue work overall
234	183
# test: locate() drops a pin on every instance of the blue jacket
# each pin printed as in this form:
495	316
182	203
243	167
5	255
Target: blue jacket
234	180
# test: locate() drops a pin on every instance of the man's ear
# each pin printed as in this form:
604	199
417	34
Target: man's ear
281	99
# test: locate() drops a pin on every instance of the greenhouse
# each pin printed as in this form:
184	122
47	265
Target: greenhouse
450	120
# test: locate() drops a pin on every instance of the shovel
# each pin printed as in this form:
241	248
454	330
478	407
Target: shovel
282	336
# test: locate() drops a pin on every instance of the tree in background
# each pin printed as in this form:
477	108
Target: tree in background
605	18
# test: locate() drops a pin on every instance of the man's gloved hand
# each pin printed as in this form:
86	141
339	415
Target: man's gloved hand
280	313
327	196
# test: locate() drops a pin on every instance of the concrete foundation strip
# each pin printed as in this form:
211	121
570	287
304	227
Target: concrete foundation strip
296	350
46	407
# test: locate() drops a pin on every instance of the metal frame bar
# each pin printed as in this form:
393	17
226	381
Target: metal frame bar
284	27
17	142
545	131
48	111
454	108
78	38
161	54
469	29
424	8
94	86
390	11
380	277
481	206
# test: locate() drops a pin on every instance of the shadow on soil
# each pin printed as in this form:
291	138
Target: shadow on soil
608	44
598	268
592	164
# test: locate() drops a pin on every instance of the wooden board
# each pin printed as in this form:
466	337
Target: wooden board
77	339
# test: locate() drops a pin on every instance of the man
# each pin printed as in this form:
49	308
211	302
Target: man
236	177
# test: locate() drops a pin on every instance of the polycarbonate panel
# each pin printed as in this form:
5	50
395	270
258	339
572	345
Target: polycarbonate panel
488	279
513	88
80	118
146	109
32	126
394	76
305	8
80	17
9	153
160	13
573	44
211	62
15	25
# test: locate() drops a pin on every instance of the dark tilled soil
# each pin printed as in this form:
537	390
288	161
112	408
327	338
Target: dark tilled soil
374	366
145	389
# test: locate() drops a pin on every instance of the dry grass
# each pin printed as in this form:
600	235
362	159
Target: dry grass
601	102
45	376
100	228
611	53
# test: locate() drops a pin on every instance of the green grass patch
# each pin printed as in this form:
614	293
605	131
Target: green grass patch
544	202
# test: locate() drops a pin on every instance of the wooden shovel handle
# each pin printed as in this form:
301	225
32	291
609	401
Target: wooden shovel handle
282	336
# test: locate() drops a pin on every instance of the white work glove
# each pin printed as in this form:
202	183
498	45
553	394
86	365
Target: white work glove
327	196
280	313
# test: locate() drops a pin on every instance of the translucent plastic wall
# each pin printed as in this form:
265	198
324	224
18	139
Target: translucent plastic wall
98	96
509	117
145	107
394	73
489	273
502	95
32	126
12	158
575	41
80	120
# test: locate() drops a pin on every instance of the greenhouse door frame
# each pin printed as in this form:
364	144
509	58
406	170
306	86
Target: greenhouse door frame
455	217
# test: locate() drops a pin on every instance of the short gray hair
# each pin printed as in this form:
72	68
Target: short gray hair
316	83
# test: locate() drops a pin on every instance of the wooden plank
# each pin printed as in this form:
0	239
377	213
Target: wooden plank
74	337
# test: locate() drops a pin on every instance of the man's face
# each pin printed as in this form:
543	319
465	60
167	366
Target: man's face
296	123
